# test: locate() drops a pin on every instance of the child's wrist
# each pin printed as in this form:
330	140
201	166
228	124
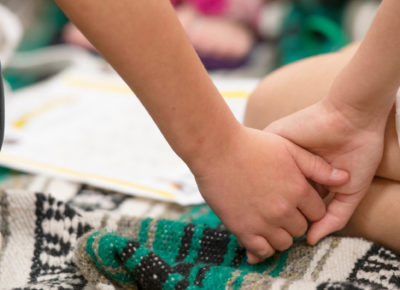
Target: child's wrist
359	116
361	103
207	149
361	93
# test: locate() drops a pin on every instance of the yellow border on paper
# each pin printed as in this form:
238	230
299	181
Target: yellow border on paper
67	171
58	102
124	89
103	86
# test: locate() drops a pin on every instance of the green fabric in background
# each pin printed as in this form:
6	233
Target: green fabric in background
44	29
5	173
310	28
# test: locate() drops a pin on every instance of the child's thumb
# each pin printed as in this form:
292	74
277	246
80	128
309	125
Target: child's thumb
317	169
338	213
325	226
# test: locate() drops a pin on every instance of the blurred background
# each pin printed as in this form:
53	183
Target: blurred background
245	38
69	115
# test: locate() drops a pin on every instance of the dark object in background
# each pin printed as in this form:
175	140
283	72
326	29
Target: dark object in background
214	63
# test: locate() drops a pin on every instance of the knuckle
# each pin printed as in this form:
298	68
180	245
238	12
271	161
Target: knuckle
301	229
258	246
317	165
260	252
316	212
242	228
316	215
264	253
280	208
284	244
301	189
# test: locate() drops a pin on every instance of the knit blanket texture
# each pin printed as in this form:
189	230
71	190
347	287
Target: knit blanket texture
81	237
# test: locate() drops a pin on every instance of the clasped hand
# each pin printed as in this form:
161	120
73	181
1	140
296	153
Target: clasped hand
259	189
349	142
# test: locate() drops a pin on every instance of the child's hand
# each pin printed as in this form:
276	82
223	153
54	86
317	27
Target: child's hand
257	185
347	143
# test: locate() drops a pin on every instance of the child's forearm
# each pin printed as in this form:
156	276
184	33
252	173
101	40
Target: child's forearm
368	84
149	49
254	181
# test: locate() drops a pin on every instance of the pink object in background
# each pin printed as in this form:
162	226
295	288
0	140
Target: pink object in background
245	10
71	34
176	2
241	10
210	7
207	7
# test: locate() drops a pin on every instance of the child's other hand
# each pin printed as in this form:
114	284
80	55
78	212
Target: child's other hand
257	185
345	143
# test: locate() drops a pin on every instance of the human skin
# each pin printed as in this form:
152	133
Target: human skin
302	84
346	126
256	182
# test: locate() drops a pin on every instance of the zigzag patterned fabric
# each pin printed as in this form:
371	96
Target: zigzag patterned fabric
163	254
171	255
86	238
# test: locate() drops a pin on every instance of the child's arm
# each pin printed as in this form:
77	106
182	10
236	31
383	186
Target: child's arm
347	126
253	181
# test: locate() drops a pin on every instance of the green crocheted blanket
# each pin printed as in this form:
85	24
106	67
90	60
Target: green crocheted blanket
84	238
163	254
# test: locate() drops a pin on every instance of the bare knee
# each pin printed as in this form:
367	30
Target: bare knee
376	218
264	105
389	167
294	87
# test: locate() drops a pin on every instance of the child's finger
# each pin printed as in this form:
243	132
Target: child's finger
311	205
297	224
257	249
338	214
252	259
316	168
280	239
322	228
322	190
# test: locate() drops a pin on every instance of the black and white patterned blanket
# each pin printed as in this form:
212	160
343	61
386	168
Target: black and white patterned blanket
42	220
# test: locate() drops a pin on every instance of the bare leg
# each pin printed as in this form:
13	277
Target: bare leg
301	84
293	87
377	217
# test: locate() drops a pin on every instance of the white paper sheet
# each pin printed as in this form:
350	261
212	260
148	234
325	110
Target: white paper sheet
87	126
